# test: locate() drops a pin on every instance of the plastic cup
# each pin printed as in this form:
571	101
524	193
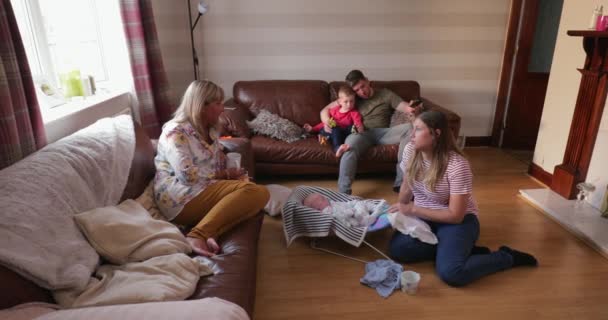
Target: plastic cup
409	282
233	160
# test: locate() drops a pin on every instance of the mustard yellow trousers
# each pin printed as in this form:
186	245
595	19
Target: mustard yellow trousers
222	206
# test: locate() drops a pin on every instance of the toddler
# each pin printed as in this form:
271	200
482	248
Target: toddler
343	118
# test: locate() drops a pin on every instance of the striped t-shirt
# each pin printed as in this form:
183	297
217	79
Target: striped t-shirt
457	179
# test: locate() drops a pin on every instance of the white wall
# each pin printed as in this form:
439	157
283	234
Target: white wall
453	48
171	19
561	96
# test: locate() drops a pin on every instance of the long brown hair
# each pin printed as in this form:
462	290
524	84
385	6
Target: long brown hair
198	96
443	144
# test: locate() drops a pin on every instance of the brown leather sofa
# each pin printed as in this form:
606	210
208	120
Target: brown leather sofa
235	269
301	101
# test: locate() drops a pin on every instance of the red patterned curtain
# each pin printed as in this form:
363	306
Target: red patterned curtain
151	85
21	126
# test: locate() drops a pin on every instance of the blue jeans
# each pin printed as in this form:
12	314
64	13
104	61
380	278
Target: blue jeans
453	260
338	136
359	144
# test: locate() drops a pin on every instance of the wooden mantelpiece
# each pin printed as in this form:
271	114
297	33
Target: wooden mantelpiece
587	113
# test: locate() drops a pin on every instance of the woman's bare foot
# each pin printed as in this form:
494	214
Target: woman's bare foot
200	246
343	148
213	246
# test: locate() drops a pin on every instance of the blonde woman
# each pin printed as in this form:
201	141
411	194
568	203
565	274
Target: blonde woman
187	187
439	179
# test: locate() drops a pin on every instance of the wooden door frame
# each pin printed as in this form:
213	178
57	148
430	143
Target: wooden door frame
506	71
510	67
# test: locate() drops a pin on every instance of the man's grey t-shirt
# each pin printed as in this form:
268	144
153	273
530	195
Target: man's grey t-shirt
377	110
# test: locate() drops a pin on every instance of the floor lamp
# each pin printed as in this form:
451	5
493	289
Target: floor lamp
202	9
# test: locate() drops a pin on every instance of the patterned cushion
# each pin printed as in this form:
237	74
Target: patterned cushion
399	118
272	125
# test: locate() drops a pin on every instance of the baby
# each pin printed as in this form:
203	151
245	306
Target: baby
354	213
364	213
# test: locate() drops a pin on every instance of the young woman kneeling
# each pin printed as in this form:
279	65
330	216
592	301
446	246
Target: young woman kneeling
439	179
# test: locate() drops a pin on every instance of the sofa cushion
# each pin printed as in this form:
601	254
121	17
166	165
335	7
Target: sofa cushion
16	289
297	100
142	166
233	121
303	151
398	118
309	151
272	125
41	193
382	153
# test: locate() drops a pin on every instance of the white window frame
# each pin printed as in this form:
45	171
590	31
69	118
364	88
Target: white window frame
43	56
41	43
113	92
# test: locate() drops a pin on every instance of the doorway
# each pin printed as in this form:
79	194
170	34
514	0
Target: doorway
530	42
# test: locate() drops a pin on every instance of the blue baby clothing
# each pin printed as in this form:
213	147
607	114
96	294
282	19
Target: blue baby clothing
383	275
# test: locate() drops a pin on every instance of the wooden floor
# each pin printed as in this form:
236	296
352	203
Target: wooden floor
570	283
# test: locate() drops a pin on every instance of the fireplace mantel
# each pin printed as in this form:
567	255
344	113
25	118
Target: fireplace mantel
587	113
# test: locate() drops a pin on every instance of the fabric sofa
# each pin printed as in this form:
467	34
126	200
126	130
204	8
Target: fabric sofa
301	101
235	270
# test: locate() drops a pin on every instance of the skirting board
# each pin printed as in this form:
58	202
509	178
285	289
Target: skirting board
540	174
477	141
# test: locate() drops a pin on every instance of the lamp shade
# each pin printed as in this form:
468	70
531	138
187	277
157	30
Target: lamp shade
202	8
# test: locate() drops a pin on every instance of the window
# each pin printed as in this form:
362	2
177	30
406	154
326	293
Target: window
74	46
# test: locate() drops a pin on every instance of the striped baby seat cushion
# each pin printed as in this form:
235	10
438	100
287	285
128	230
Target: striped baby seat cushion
302	221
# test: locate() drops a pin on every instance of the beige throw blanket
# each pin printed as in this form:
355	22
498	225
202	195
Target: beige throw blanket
127	233
148	255
203	309
41	193
164	278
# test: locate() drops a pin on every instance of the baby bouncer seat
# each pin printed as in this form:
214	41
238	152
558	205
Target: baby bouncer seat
303	221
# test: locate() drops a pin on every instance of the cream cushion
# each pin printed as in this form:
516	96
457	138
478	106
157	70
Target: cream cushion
127	233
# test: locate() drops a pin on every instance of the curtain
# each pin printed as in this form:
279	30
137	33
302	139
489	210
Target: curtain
21	126
151	85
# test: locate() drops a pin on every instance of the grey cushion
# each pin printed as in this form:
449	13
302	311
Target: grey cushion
270	124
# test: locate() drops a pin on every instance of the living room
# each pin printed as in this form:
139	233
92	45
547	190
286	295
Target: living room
457	51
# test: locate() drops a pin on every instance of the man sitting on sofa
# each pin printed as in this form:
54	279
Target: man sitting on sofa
376	108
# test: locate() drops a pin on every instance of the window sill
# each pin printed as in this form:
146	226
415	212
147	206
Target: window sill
68	118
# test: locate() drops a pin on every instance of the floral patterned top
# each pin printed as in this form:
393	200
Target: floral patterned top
185	166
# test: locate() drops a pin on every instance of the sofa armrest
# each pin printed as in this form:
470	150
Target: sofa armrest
15	289
453	118
242	146
233	121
